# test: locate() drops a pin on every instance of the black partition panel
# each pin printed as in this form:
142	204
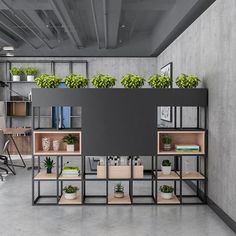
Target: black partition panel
119	121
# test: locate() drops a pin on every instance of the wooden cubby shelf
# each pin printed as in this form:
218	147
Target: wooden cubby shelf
61	177
55	135
64	201
45	176
173	176
181	138
173	200
114	200
191	175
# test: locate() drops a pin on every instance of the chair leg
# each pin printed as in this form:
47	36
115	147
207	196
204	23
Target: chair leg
1	177
12	169
1	168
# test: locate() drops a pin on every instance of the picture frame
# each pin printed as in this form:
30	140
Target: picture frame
166	112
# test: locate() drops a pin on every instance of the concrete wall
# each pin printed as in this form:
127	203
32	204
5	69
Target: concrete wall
208	49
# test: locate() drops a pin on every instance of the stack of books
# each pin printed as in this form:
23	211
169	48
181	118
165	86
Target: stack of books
71	171
187	148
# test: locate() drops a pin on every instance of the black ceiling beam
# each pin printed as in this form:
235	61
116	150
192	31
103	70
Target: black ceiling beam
95	23
7	40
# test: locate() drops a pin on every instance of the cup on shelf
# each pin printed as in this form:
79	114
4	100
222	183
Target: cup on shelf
56	145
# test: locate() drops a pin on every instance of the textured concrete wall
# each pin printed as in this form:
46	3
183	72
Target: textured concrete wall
208	49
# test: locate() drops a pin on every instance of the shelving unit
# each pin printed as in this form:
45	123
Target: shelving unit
95	187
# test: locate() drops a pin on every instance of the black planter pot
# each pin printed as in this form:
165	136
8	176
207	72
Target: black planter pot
49	170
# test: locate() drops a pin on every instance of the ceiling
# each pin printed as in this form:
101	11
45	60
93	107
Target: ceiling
95	27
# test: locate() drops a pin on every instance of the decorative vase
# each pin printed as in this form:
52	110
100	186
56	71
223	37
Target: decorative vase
70	147
46	144
30	78
118	195
167	147
166	170
70	196
166	195
49	170
56	145
16	78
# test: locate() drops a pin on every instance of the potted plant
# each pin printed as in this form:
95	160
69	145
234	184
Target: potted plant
70	141
166	191
132	81
49	164
30	73
70	192
75	81
119	190
103	81
16	73
166	140
47	81
159	81
166	167
187	81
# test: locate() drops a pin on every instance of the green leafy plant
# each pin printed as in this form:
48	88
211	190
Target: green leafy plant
75	81
187	81
119	188
70	189
166	163
159	81
166	139
132	81
48	163
30	71
47	81
166	189
70	139
103	81
16	71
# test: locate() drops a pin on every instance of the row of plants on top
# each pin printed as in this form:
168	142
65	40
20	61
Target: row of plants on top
18	72
107	81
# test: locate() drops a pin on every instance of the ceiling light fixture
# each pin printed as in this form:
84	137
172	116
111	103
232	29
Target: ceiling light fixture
122	26
10	54
8	48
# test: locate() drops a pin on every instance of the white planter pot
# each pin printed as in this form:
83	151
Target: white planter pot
119	195
167	147
70	147
166	170
70	196
166	195
16	78
56	145
30	78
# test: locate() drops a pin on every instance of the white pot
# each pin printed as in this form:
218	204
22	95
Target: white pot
119	195
56	145
70	196
16	78
167	147
166	170
167	195
30	78
70	147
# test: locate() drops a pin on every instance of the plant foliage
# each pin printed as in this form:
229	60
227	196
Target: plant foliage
103	81
70	139
166	189
47	81
70	189
187	81
30	71
16	71
166	163
166	139
119	188
48	163
159	81
75	81
132	81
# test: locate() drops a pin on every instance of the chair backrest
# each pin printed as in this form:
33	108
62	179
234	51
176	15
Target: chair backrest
3	143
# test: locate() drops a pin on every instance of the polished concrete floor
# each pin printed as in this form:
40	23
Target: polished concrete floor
18	217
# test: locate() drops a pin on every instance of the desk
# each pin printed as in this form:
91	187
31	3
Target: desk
11	132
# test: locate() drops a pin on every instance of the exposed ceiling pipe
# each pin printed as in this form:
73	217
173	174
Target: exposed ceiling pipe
95	23
105	22
22	21
16	33
61	18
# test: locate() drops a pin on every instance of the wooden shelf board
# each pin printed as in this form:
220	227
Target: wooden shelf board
45	176
191	175
180	153
69	177
173	200
172	175
58	153
114	200
48	131
64	201
182	131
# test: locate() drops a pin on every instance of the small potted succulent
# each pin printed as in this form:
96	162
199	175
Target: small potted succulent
166	167
159	81
75	81
47	81
103	81
119	191
16	73
70	141
70	192
187	81
166	191
132	81
49	164
166	140
30	73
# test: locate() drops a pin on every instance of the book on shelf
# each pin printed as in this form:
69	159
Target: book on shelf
71	171
187	148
